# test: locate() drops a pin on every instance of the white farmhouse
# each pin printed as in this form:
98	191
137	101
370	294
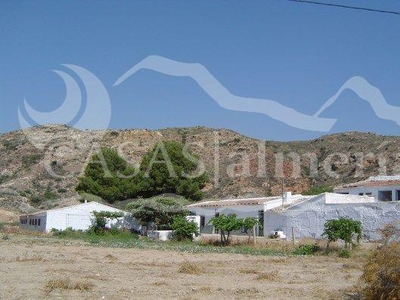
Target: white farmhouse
78	217
382	188
244	207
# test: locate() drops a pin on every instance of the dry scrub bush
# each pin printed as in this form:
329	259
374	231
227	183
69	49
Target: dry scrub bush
66	284
190	268
381	275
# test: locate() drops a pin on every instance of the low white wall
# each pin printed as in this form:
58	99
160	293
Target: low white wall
160	235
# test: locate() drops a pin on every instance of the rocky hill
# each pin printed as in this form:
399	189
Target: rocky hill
40	166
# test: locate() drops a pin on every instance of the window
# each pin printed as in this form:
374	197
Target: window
385	195
360	194
202	221
38	222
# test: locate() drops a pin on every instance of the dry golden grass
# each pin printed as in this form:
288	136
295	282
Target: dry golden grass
269	276
67	284
190	268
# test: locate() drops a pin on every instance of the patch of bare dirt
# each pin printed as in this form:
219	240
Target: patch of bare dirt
72	270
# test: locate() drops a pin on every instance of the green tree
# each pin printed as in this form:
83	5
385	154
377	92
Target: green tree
167	168
184	229
171	168
226	224
109	176
248	225
344	229
158	210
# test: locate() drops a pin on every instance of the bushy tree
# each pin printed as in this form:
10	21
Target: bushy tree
344	229
110	177
167	168
184	229
158	210
170	168
248	225
226	224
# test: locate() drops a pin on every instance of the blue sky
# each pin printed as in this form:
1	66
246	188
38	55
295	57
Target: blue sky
294	53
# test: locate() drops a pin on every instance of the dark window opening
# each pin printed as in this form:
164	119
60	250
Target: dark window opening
385	195
202	221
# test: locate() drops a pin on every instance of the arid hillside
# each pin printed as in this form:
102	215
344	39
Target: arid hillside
40	166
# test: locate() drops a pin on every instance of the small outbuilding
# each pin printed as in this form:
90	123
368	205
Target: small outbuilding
77	217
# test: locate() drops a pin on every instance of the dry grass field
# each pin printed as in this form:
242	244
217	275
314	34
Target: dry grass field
35	267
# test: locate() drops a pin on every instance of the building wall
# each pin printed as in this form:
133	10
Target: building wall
33	222
373	191
241	211
308	219
78	217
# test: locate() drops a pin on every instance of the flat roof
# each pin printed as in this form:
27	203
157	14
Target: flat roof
375	181
234	202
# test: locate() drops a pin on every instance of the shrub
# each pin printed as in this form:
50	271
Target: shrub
344	253
342	229
381	275
306	249
184	229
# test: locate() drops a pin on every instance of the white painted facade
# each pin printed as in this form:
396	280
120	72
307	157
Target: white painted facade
382	188
78	217
307	219
243	208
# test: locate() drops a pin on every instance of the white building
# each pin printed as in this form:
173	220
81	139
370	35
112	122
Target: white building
78	217
382	188
307	218
245	207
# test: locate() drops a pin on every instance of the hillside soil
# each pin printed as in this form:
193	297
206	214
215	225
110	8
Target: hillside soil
34	268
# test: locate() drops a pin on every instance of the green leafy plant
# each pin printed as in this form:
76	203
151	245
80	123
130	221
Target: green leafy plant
184	229
306	249
344	253
344	229
226	224
248	226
